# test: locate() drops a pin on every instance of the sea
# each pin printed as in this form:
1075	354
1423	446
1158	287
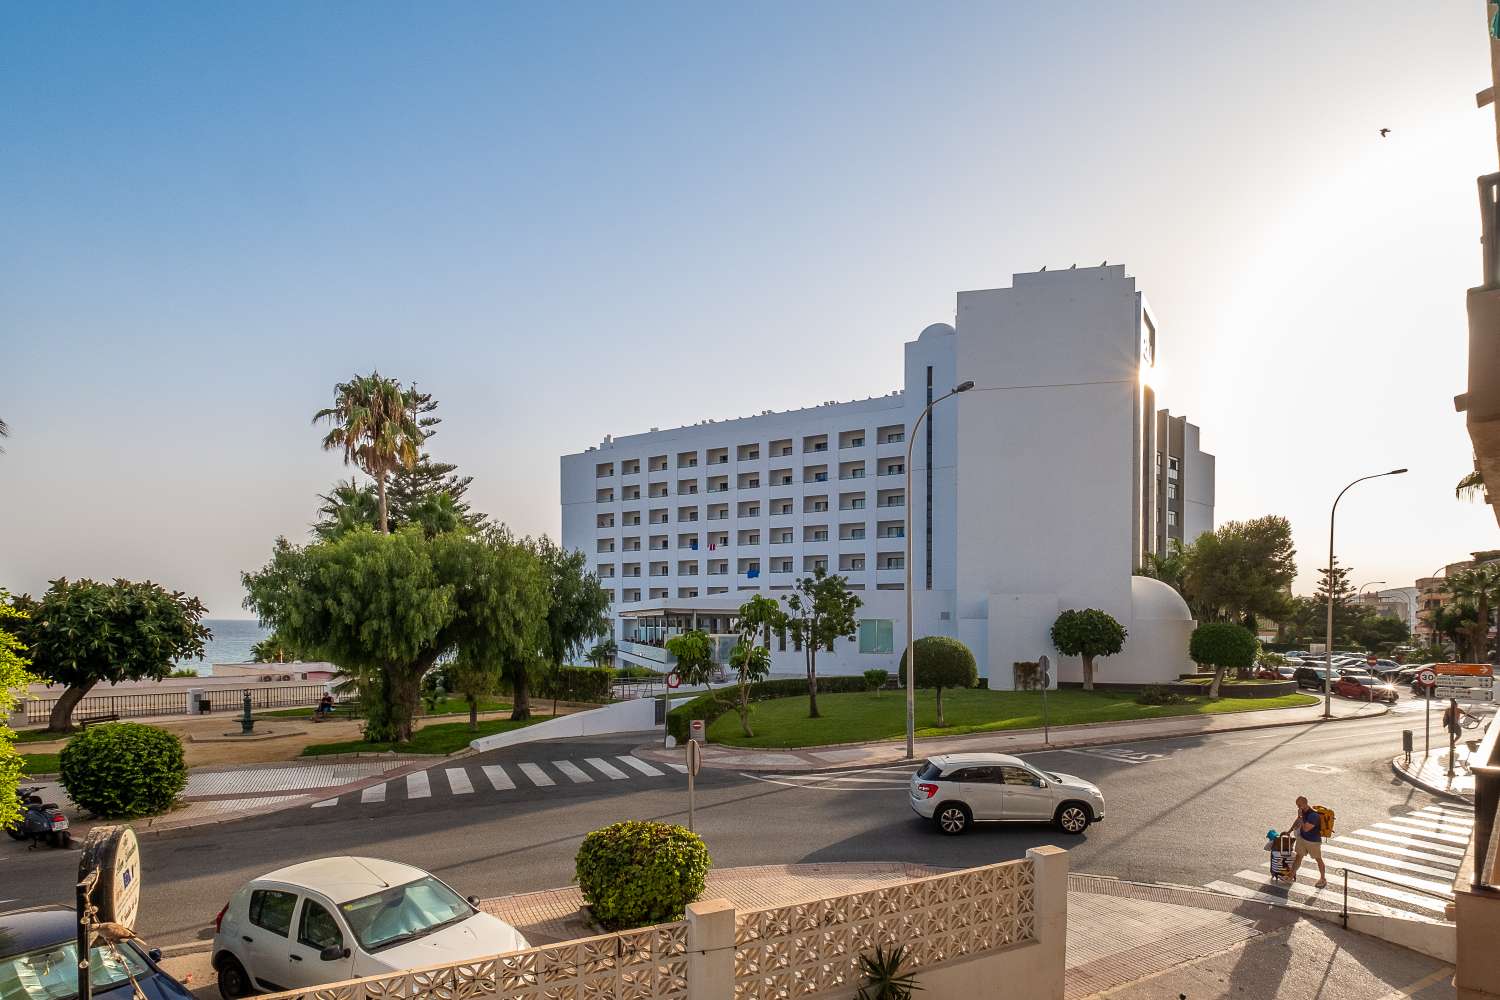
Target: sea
231	643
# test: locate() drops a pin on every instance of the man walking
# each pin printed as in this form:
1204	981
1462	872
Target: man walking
1308	829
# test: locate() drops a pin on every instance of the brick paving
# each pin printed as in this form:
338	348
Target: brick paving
1430	772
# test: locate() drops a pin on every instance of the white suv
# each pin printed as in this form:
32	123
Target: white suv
957	790
333	919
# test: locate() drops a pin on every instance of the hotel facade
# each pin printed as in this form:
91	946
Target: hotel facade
1041	489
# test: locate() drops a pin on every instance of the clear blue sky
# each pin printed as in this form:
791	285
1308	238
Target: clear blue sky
572	221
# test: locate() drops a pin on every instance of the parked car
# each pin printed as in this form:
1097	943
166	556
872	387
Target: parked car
342	918
1280	673
1309	677
1365	687
956	791
1352	671
39	961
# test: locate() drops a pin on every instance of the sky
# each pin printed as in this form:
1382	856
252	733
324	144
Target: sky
570	220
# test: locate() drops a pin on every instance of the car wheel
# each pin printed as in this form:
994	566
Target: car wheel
952	818
234	983
1073	817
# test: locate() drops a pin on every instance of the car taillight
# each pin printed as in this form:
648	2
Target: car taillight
927	790
219	920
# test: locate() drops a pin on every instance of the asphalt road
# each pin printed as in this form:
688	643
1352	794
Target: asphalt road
1184	811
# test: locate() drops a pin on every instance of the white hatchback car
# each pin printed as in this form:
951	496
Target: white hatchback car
342	918
957	790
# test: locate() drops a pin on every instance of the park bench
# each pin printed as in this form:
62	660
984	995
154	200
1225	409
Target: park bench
84	721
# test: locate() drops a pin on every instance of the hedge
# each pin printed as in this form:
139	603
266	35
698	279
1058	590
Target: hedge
122	770
588	684
710	706
637	873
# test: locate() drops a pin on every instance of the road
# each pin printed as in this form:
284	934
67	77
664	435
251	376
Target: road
1189	811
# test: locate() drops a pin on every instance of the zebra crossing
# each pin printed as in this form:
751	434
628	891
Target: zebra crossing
505	777
1403	866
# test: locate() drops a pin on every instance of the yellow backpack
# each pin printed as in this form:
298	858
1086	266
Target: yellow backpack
1325	821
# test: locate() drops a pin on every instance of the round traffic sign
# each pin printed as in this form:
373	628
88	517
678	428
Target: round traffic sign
1426	676
673	679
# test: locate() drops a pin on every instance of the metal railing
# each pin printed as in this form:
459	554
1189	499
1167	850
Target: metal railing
144	704
1362	873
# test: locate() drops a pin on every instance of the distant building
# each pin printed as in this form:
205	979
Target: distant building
1399	603
1040	490
1433	592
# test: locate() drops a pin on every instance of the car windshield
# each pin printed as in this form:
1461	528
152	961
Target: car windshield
402	913
52	973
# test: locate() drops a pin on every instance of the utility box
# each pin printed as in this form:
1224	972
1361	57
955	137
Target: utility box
1406	742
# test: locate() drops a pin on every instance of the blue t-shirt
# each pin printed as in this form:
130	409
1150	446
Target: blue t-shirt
1316	833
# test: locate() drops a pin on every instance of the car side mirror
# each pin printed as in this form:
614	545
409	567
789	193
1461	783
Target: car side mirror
154	954
473	901
333	953
1040	783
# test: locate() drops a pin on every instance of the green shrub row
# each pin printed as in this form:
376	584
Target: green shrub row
591	684
710	706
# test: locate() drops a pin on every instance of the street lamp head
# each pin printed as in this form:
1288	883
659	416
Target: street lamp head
1395	472
963	386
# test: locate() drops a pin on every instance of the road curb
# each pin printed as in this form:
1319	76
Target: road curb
651	751
1427	786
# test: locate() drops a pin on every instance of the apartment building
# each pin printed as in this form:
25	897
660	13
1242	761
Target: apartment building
1035	492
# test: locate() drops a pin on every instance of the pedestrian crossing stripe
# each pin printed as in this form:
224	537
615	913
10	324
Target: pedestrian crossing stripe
460	781
1396	867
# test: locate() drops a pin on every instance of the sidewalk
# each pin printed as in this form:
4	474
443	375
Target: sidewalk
887	752
1429	772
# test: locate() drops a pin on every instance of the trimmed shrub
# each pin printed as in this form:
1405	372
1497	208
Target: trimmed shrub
1222	645
876	679
638	872
122	770
1157	694
587	684
710	706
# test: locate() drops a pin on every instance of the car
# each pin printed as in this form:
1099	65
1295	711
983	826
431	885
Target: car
1284	672
39	961
1309	677
1358	671
1366	687
340	918
956	791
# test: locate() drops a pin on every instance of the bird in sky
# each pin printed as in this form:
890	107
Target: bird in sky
1384	132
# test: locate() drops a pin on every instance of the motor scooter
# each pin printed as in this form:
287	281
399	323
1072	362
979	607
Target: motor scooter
39	820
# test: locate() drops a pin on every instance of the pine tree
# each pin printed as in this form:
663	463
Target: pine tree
1345	614
411	488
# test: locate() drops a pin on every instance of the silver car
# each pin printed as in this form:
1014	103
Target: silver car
956	791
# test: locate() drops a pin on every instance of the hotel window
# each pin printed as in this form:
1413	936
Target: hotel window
1171	491
1171	518
876	635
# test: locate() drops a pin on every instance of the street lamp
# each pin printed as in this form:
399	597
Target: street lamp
1372	583
911	616
1328	650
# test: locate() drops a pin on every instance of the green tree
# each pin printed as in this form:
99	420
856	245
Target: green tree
374	424
820	610
1455	622
577	608
1479	586
472	682
13	681
1470	487
603	653
415	488
275	649
1345	612
751	656
1379	633
1222	645
694	652
386	608
1088	633
1241	570
82	633
1170	568
4	432
942	661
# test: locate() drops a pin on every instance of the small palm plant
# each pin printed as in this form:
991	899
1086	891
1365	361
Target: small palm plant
886	975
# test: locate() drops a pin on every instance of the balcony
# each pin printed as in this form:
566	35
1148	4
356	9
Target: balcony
645	651
897	576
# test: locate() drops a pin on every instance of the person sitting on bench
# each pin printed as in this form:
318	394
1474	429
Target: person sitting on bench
325	707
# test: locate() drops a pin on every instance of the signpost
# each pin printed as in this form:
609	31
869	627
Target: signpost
1464	681
1042	665
1426	678
108	890
694	764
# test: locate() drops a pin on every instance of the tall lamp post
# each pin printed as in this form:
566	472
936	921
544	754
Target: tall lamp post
1360	594
911	617
1328	650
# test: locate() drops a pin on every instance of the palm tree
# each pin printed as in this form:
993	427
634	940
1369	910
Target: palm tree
374	422
4	432
1481	585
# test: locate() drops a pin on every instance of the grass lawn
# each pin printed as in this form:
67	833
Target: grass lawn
437	738
448	706
40	763
855	718
39	736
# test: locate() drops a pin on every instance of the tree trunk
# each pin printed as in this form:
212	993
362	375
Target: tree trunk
812	681
385	527
406	695
1213	685
1088	672
1482	628
745	708
521	707
473	714
61	719
941	722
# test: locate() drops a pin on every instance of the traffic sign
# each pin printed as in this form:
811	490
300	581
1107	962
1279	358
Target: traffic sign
695	757
1426	677
1465	681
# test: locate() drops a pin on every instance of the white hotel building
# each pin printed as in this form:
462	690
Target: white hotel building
1038	491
